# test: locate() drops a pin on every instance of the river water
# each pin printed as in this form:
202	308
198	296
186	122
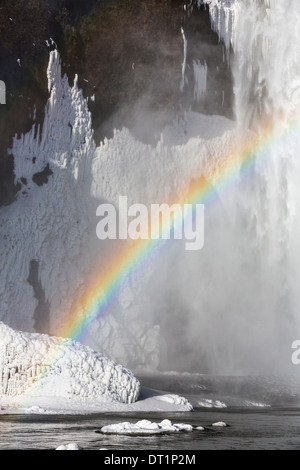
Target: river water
261	413
266	429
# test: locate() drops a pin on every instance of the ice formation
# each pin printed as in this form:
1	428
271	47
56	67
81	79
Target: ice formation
36	364
175	400
266	54
53	225
183	67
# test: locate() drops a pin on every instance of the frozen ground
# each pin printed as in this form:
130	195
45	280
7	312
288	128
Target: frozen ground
148	401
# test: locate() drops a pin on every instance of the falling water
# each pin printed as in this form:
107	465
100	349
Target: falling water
238	307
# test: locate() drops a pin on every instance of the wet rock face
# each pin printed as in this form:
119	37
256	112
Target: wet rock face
128	56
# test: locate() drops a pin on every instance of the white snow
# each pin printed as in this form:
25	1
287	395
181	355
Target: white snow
220	424
173	399
209	403
71	446
50	366
146	427
41	374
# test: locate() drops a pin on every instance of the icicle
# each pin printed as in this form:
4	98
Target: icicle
182	83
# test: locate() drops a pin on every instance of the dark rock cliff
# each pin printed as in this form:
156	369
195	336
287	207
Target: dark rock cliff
127	54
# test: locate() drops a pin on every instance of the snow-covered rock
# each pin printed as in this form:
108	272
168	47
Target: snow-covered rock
146	427
71	446
36	364
220	424
174	399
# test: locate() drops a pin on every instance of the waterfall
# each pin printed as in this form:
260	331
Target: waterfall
231	308
265	63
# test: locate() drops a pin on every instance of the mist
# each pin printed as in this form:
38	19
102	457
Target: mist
230	308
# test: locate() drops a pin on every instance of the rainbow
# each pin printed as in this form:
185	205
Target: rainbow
105	285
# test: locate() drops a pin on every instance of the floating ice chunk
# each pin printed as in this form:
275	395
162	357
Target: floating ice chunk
220	424
199	428
71	446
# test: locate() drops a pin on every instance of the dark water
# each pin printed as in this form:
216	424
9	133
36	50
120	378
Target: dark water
264	429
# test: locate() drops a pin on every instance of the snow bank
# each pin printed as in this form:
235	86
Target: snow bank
42	365
173	399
